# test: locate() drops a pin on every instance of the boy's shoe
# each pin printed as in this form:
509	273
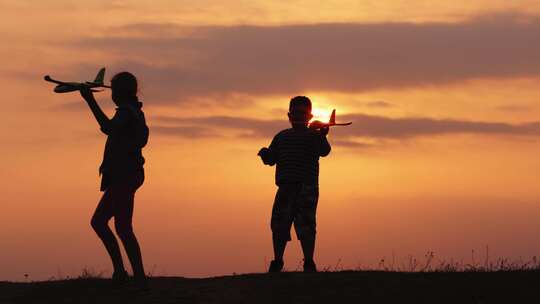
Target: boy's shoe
310	267
275	266
120	277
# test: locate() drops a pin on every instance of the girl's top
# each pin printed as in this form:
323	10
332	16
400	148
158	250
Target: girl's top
127	134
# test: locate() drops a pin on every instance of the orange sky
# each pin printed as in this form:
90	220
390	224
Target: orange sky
442	154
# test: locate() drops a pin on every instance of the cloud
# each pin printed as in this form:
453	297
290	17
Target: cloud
192	132
379	104
409	127
372	127
177	63
77	106
248	126
514	108
354	144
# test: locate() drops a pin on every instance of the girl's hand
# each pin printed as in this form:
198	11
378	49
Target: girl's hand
86	93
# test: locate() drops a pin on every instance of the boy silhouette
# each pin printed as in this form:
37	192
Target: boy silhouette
295	152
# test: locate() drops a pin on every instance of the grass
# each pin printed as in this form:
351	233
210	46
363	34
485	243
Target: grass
425	280
293	287
515	286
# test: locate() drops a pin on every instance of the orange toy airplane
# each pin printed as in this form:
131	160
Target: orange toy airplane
317	124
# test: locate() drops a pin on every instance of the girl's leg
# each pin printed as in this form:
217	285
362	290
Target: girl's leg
123	202
99	222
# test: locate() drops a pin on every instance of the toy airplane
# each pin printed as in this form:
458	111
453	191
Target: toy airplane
317	124
65	87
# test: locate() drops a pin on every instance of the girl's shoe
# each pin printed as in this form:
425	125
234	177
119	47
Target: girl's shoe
141	282
310	267
275	266
120	277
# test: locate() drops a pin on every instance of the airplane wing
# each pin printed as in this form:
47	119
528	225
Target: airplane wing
65	87
98	82
49	79
96	85
100	77
333	117
332	121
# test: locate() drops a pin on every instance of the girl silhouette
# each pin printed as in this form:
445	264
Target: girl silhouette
121	172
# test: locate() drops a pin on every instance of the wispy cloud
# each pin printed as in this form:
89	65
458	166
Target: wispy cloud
74	106
514	108
379	104
372	127
192	132
409	127
177	63
249	126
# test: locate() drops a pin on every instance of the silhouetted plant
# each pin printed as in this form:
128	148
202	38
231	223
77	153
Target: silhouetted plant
90	273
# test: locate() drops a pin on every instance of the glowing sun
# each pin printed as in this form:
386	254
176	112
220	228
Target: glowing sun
321	114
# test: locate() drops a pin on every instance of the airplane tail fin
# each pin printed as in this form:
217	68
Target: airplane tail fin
100	76
333	117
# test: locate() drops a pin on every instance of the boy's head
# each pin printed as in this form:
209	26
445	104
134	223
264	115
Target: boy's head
300	111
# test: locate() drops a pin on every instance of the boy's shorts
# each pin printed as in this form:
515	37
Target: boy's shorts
295	203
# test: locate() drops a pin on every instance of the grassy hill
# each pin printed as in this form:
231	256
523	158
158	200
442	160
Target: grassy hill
325	287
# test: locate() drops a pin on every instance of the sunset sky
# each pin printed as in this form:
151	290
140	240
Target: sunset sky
442	154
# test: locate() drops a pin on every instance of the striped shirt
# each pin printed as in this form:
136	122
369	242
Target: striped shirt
296	152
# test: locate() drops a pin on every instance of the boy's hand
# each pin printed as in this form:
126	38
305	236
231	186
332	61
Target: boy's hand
266	156
263	151
324	131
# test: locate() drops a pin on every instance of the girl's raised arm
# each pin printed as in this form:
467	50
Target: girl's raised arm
102	119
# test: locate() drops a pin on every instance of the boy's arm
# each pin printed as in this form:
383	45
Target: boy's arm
325	145
268	155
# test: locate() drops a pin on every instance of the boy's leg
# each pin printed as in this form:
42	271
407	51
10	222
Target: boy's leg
99	222
281	224
308	247
305	223
279	245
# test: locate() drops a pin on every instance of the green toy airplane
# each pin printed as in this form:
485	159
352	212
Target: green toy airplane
65	87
